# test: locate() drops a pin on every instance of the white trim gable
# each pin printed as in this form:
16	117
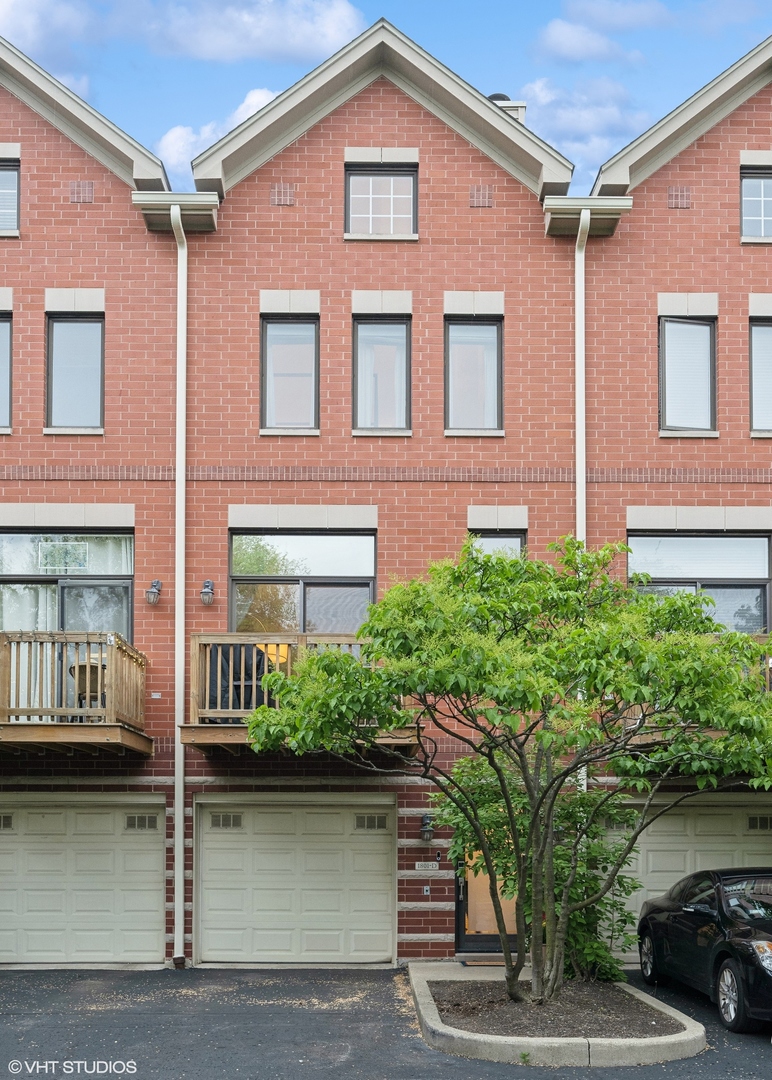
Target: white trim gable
684	125
383	51
83	125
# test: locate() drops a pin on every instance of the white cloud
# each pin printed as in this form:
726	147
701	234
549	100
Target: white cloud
244	29
180	144
588	123
563	40
618	14
46	29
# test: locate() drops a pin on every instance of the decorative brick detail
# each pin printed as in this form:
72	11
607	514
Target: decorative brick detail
282	194
81	191
481	195
374	472
162	473
679	198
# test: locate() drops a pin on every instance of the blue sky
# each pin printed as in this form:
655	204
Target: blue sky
177	74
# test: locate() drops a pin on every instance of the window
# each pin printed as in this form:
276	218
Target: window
290	374
756	204
501	543
761	376
57	581
473	375
687	375
142	822
5	372
381	202
381	374
9	197
301	582
733	570
75	372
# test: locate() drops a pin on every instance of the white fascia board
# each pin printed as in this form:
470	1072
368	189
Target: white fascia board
684	125
563	212
382	50
69	114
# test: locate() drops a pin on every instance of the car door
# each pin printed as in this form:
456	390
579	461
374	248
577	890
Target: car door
693	931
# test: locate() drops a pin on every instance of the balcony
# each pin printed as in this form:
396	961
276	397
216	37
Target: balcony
226	671
72	690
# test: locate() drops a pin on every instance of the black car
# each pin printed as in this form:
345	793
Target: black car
713	930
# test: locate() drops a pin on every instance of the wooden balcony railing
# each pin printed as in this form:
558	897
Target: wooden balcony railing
71	687
226	672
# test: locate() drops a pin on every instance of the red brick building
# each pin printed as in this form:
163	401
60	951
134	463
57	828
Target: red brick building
233	416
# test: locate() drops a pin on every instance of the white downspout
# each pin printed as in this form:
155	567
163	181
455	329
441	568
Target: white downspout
580	377
179	582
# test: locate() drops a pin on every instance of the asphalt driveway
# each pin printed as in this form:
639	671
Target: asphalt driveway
279	1025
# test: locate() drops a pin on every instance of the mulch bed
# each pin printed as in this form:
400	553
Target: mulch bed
583	1010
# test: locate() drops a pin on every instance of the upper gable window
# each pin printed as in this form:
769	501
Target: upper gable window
9	197
757	204
381	201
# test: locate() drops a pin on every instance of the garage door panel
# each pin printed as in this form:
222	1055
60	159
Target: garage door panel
669	825
45	861
715	858
93	823
84	889
273	822
320	890
44	823
224	861
94	862
322	862
715	825
92	902
666	860
226	900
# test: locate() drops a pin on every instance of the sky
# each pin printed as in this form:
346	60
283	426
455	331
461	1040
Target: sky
179	74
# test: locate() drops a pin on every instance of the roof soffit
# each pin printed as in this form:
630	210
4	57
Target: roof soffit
84	126
383	51
687	123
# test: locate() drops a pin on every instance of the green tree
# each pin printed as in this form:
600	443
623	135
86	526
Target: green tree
558	674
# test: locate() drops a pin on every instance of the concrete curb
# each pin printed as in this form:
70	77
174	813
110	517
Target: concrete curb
531	1051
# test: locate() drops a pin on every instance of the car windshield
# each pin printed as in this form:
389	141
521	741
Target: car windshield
749	898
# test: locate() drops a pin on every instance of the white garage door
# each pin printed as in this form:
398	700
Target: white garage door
701	838
81	884
309	883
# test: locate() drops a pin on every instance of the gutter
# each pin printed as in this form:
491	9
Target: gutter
583	217
180	523
176	212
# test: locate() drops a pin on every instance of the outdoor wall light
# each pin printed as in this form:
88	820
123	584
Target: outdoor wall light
427	829
207	593
153	594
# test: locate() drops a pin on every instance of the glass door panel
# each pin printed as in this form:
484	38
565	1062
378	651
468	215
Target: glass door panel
97	608
267	608
35	680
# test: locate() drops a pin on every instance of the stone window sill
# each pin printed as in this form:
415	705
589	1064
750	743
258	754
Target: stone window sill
289	431
73	431
6	431
10	234
685	434
377	433
379	236
475	433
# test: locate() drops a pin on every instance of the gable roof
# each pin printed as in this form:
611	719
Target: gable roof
383	50
70	114
684	125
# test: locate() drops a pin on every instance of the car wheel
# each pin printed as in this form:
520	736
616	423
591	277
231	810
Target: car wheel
649	970
730	995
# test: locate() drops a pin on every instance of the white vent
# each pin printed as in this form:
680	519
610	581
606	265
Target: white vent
371	822
6	821
141	822
226	821
480	195
679	198
81	191
283	195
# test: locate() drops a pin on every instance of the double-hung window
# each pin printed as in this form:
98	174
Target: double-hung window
9	197
75	371
381	373
498	542
761	376
381	201
5	372
756	204
301	582
473	375
733	570
687	374
289	374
